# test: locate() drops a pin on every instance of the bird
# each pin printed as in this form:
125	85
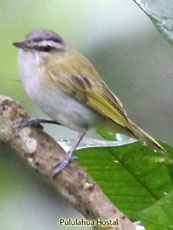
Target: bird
67	87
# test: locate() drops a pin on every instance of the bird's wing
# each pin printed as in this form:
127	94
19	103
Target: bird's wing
77	76
83	82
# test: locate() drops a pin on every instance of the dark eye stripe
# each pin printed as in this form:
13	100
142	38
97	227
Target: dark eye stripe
43	48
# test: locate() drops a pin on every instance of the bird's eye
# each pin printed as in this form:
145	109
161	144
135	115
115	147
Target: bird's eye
47	48
43	48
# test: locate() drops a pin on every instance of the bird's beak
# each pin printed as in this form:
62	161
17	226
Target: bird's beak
20	45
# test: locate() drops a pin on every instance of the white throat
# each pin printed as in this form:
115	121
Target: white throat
30	74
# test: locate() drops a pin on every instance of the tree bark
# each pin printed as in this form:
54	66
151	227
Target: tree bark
41	152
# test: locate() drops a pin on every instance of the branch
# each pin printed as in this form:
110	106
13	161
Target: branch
41	152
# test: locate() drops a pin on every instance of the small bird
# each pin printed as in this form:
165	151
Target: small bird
66	86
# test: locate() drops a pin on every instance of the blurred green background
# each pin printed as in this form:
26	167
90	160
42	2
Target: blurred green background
132	58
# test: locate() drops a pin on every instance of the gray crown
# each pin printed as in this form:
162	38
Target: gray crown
43	35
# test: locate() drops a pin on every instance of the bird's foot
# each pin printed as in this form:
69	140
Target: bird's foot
36	122
63	164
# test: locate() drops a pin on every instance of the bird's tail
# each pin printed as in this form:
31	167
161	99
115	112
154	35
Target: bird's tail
143	136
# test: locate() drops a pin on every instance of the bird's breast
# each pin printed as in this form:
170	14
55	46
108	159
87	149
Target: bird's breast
57	104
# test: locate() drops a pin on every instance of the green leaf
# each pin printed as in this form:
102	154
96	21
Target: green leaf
133	176
159	215
161	14
109	136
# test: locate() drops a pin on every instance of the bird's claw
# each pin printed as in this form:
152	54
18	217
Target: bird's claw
29	122
63	164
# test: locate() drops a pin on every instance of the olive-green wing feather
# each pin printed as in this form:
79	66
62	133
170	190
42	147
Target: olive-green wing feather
90	91
75	75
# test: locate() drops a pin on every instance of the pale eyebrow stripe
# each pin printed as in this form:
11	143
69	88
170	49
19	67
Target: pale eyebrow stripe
46	43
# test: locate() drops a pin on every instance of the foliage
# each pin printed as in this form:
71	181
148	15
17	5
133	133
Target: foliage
133	176
159	213
160	13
